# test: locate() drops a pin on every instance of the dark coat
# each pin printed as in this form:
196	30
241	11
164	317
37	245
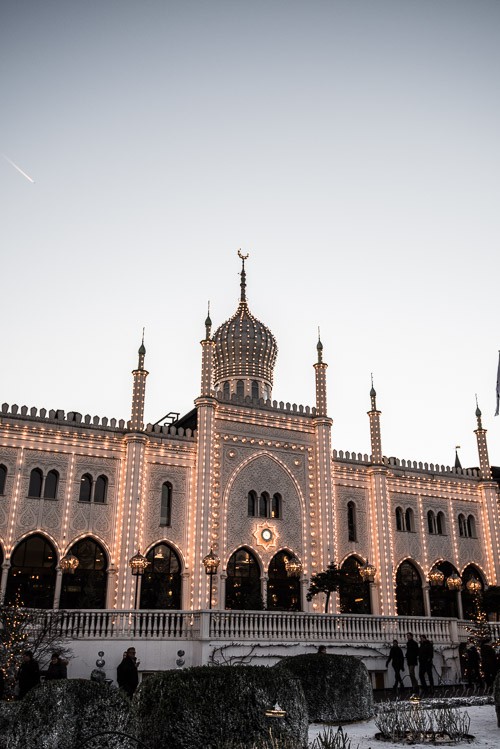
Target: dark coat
412	652
56	670
127	676
396	655
28	676
426	652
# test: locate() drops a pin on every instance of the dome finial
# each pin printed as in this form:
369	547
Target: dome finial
319	347
208	323
142	348
243	275
478	414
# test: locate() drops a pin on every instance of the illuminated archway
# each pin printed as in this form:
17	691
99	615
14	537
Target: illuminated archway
354	594
86	587
409	593
243	590
283	592
161	582
32	575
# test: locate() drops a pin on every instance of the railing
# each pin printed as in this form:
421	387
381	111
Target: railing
256	625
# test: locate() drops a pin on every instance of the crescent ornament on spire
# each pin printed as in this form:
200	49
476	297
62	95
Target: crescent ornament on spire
243	296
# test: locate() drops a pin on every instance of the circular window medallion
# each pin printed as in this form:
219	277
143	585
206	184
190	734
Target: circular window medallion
267	535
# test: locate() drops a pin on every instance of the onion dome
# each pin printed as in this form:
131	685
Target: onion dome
244	348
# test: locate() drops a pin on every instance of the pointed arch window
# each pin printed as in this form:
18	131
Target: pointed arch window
36	481
101	490
351	521
85	488
440	524
86	587
161	585
3	478
410	520
400	521
32	575
409	593
225	390
240	388
431	522
243	586
471	526
276	505
252	504
264	505
255	389
166	504
462	526
51	485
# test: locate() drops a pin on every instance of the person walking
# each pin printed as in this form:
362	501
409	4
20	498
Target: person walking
127	675
28	675
425	659
412	659
397	657
57	668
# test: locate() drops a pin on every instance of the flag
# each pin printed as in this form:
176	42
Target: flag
498	385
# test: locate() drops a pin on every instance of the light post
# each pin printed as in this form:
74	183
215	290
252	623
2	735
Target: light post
211	563
138	564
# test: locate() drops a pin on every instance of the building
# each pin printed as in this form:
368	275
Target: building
255	481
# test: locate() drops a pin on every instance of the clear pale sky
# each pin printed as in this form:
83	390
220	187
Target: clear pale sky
353	148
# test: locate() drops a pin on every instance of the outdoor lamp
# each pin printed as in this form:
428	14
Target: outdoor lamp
138	564
211	563
454	582
436	577
69	563
473	585
293	567
367	572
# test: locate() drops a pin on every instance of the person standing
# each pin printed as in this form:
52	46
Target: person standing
425	658
57	668
28	675
412	659
397	657
127	675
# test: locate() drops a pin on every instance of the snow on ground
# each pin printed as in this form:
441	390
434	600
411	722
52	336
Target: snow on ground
483	725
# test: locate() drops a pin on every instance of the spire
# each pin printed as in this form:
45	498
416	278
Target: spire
142	353
478	415
319	348
243	283
457	459
208	324
139	390
373	396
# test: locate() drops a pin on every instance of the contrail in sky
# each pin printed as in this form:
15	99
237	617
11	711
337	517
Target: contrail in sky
18	169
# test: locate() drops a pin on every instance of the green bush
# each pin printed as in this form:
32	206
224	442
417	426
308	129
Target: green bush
215	707
63	714
337	688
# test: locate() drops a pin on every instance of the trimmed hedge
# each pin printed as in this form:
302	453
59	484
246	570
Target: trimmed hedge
337	688
222	706
63	714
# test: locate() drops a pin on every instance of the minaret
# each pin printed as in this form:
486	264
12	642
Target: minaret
320	368
139	391
489	492
207	357
375	438
482	447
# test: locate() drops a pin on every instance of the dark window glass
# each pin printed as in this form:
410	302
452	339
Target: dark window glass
409	593
32	575
101	490
409	520
431	522
85	488
440	524
51	482
263	505
240	388
3	478
243	590
443	601
252	504
462	526
400	526
276	506
471	526
283	592
469	601
35	487
351	521
166	504
225	389
86	587
255	389
161	582
354	593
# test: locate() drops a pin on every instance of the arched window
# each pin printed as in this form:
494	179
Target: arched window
36	480
276	506
409	520
166	504
86	587
462	526
255	389
471	526
264	505
225	390
283	592
252	504
101	489
440	524
266	393
351	521
400	521
409	593
32	575
51	484
161	582
240	388
3	478
469	600
243	590
85	488
443	600
354	593
431	521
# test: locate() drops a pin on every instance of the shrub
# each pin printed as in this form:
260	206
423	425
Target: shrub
63	714
337	687
207	707
496	696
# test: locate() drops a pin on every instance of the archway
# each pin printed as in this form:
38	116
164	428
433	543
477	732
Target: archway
243	591
444	601
161	582
354	593
32	575
409	593
469	601
86	587
283	592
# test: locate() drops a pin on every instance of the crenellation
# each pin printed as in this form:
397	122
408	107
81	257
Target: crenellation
24	410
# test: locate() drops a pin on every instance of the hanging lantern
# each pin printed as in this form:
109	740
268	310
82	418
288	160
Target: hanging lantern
367	572
138	564
69	563
454	582
473	585
293	567
435	577
211	563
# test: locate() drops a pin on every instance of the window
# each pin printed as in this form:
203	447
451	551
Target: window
351	521
36	480
471	526
255	389
440	523
400	523
166	504
225	389
462	526
252	504
51	483
431	522
410	520
276	506
3	478
240	388
101	490
264	505
85	488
